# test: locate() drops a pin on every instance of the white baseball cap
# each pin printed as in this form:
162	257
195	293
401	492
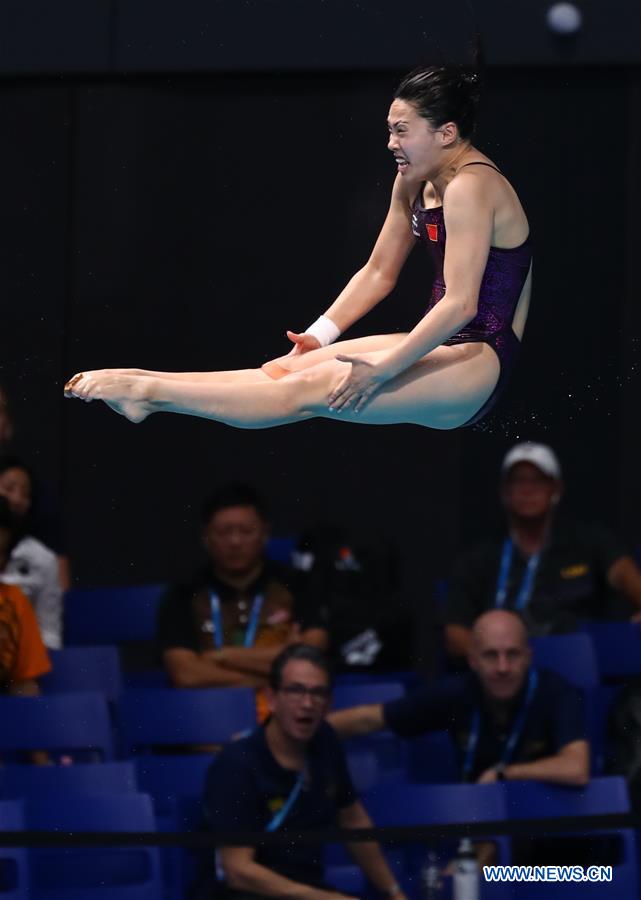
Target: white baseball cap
539	455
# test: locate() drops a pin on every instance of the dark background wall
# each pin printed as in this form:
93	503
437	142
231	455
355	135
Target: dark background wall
185	221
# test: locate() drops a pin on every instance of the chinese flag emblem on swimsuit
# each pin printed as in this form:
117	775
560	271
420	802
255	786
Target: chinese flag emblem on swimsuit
432	231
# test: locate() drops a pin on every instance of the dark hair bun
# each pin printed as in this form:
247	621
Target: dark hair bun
443	94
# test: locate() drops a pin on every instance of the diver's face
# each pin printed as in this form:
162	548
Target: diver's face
416	146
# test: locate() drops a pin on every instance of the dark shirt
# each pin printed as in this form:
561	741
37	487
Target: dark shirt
185	613
570	586
245	787
355	584
554	718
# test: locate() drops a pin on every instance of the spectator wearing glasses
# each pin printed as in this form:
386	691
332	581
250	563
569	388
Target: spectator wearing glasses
555	571
290	772
225	627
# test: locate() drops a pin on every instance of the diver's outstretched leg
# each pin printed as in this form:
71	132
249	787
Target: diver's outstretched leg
443	390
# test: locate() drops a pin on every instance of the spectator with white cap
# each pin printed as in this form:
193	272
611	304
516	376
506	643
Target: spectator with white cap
556	572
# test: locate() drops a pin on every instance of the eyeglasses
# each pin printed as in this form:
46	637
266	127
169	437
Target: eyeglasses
318	694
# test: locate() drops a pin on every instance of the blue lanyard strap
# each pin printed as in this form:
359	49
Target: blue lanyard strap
517	728
285	809
252	625
527	585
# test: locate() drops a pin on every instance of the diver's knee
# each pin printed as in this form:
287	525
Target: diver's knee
306	391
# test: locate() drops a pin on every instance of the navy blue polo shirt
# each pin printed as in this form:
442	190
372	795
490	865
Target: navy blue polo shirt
245	787
571	583
555	718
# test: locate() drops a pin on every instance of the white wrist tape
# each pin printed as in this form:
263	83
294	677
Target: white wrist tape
324	331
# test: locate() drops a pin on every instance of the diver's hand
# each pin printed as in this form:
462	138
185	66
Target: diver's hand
303	343
366	375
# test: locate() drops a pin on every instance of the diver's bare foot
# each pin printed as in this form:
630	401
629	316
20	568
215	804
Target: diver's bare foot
126	394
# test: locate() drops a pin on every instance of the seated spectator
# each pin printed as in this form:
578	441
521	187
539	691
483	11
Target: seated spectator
44	519
31	565
355	585
507	719
226	626
23	656
290	772
556	572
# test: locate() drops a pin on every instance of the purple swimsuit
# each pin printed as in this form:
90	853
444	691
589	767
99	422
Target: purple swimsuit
503	280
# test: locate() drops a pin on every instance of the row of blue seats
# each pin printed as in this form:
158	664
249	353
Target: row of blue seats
137	873
83	722
98	668
164	716
84	725
120	615
142	719
572	655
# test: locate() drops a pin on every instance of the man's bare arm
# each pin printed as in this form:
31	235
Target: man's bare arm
458	639
258	660
369	856
571	765
243	873
189	669
357	720
624	576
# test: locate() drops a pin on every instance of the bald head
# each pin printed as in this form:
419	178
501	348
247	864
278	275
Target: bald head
499	624
500	654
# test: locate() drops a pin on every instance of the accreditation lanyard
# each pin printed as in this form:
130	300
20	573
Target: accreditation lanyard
517	728
286	808
527	585
252	624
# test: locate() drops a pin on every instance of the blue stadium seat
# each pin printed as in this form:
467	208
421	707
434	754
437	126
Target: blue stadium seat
147	678
94	873
346	695
409	679
618	648
14	872
32	782
111	615
570	655
427	804
598	702
175	784
389	750
84	669
363	766
164	717
534	799
69	723
280	549
168	778
531	800
432	759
